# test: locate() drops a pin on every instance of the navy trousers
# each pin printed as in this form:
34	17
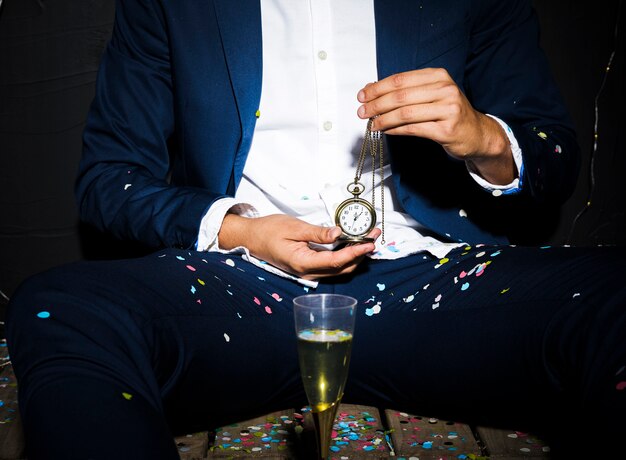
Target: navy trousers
115	357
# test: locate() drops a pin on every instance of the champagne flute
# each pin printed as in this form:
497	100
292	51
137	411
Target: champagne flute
324	326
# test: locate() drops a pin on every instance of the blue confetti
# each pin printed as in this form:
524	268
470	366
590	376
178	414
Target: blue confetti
427	445
465	286
43	314
381	286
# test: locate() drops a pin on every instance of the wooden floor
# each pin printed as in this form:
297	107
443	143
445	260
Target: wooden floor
360	432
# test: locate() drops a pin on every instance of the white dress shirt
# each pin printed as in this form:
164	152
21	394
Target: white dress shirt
317	54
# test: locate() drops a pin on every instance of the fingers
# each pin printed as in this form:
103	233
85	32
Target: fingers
416	120
342	261
334	263
419	96
287	246
396	82
317	234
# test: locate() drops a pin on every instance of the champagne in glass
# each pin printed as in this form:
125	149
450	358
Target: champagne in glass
324	326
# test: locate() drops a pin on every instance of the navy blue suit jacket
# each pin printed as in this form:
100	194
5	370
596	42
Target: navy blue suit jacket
180	82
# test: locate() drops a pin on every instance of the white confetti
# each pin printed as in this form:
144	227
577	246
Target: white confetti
127	186
226	337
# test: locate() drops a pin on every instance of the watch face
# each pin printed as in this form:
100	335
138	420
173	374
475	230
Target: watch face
355	217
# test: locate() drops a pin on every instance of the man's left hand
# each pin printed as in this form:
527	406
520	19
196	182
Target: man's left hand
428	103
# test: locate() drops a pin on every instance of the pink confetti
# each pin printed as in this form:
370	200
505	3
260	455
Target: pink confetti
268	310
189	267
257	301
621	386
277	297
462	274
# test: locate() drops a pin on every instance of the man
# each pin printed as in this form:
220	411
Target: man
224	135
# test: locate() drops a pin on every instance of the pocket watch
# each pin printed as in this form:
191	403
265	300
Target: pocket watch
355	216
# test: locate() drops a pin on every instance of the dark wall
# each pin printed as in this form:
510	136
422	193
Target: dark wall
49	52
579	38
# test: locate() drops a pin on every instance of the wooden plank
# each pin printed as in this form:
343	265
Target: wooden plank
270	436
358	433
430	438
193	446
11	434
508	444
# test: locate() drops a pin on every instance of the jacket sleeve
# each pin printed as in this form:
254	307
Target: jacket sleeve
508	76
122	185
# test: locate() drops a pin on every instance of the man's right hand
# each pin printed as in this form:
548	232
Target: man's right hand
283	241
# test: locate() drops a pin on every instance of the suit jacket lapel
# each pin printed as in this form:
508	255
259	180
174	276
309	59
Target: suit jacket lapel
240	29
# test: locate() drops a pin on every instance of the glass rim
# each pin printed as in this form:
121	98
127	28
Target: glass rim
347	301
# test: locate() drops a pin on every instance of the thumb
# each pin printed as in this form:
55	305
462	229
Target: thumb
323	235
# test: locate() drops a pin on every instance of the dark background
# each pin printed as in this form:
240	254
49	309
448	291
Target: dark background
49	53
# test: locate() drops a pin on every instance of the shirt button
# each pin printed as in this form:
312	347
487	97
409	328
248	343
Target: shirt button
328	125
322	55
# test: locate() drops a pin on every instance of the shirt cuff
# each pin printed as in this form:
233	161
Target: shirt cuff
513	187
212	221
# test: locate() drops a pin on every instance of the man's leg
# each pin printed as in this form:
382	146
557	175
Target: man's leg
112	357
492	333
526	336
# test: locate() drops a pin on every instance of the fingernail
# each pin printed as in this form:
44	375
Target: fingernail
335	232
361	96
361	111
